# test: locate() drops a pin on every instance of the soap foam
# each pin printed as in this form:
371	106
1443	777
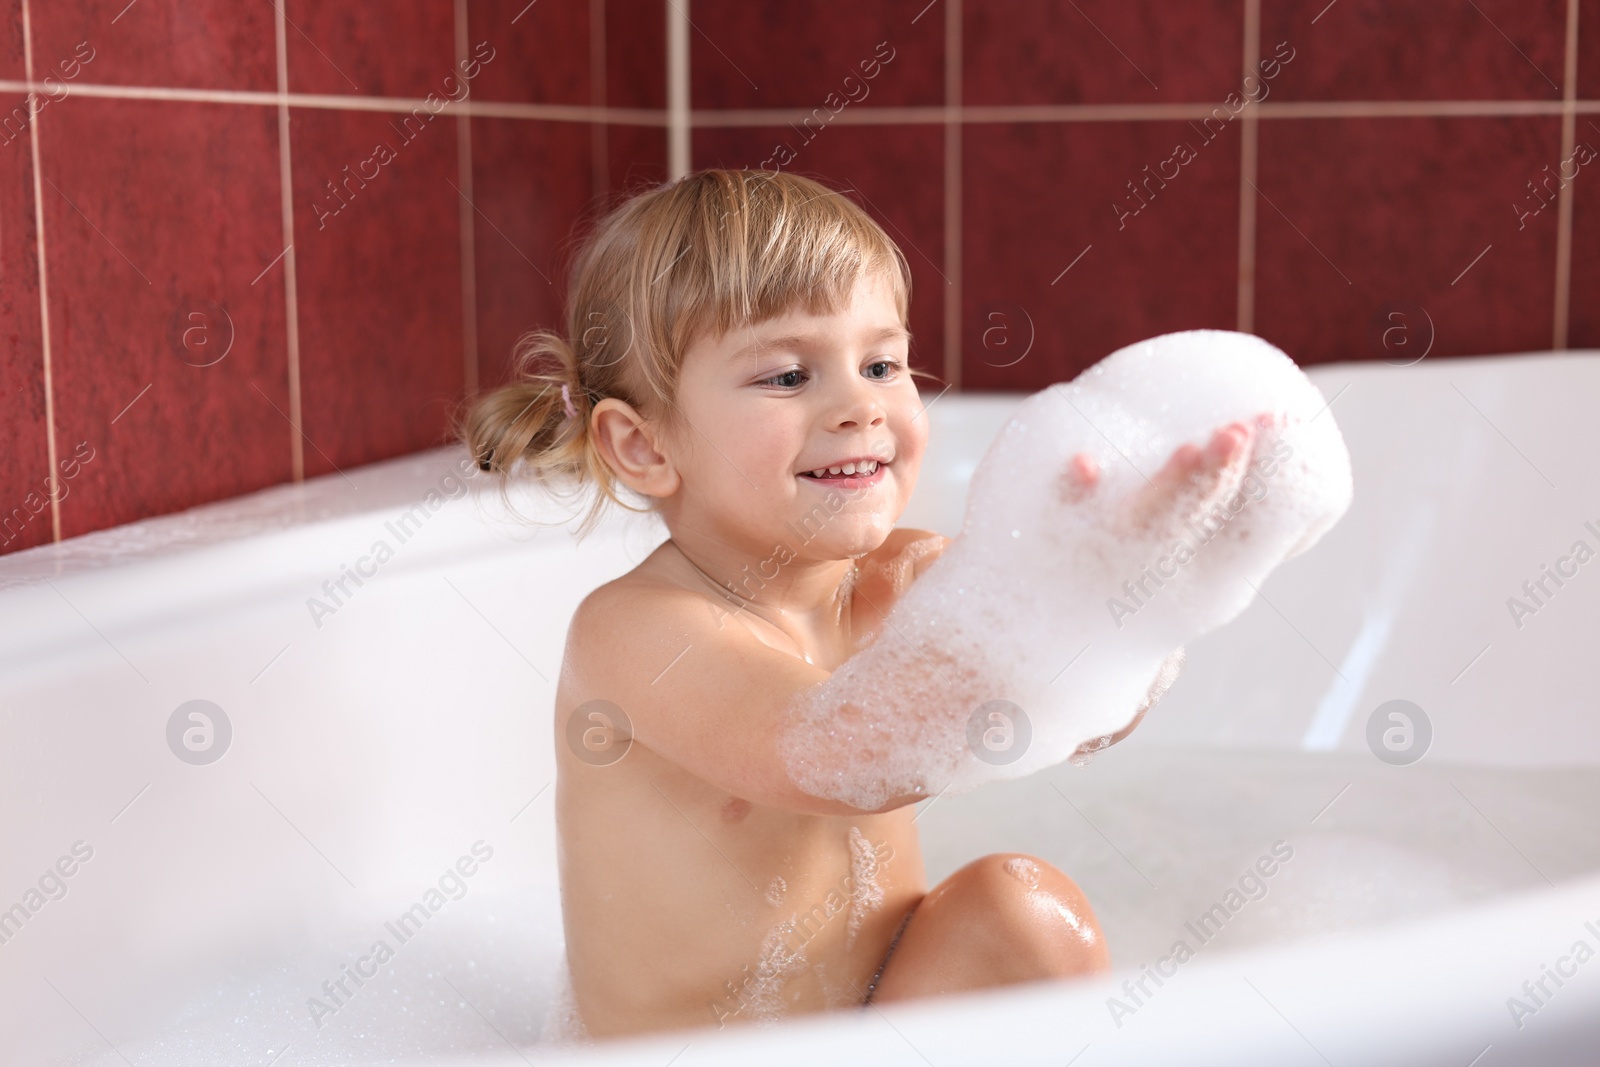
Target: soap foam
866	894
1039	575
562	1023
777	964
1023	870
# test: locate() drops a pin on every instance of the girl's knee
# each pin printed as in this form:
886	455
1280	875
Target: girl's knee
1001	919
1031	907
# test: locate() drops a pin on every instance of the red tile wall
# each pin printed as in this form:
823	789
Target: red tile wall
1047	166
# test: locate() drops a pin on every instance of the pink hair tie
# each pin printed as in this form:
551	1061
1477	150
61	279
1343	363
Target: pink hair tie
566	399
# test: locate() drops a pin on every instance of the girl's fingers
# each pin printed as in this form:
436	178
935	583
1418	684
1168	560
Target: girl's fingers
1079	478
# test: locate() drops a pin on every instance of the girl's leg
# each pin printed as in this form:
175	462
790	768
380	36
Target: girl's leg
1004	918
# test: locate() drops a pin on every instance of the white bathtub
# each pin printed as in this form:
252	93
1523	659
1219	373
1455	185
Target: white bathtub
371	753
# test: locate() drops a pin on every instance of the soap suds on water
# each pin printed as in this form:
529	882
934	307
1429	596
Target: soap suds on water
776	890
866	894
562	1023
497	955
1038	575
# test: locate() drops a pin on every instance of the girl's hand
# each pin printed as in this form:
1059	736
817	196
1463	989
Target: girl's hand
1191	479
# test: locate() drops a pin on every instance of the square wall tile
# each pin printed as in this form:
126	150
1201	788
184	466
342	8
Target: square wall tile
25	470
550	45
347	47
1100	51
532	188
868	164
546	46
636	53
816	54
635	156
1075	244
1363	220
188	44
1588	49
378	247
167	329
1418	49
12	64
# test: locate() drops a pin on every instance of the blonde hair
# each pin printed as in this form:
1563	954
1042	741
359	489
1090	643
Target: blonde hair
703	254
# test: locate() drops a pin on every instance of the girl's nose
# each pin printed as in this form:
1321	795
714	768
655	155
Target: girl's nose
860	406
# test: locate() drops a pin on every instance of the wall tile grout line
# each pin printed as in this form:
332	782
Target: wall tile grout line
600	150
44	285
680	120
953	294
936	114
465	216
1569	95
291	303
351	102
1248	158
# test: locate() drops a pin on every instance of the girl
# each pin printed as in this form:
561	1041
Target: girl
736	354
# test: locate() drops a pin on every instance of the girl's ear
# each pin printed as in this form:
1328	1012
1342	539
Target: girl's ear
626	442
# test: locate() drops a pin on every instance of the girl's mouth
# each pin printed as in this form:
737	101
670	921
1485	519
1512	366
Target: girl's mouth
858	480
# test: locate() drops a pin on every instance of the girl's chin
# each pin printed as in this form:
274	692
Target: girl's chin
841	537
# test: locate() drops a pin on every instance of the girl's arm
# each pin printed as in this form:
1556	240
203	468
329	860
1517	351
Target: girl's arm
699	688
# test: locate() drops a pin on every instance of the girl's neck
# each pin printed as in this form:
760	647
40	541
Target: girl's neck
809	600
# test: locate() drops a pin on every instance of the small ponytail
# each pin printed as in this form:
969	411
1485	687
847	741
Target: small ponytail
538	425
533	421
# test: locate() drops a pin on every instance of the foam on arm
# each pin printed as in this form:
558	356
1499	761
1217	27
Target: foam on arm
1066	605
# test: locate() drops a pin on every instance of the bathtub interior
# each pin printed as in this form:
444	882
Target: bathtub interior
373	751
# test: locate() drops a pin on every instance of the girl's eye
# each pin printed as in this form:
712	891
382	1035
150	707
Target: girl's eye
791	379
785	380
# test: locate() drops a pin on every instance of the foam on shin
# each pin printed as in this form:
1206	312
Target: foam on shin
1044	575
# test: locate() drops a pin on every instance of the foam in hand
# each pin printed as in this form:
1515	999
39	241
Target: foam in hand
1043	575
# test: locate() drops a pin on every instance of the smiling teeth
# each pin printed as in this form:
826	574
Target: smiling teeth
868	467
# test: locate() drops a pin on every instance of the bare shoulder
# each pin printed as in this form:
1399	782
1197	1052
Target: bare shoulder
699	689
627	618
